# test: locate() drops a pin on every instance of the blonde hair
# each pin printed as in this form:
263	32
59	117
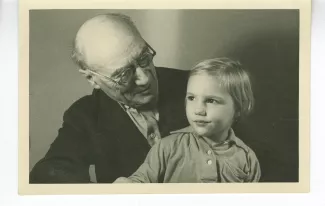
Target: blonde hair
233	78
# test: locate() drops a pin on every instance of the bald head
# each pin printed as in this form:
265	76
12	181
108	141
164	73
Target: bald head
105	41
109	48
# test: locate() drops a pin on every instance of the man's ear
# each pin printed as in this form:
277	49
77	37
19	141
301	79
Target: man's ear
90	78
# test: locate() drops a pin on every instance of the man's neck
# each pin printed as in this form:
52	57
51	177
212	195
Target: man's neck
146	107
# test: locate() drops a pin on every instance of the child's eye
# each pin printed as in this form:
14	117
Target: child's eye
190	98
212	101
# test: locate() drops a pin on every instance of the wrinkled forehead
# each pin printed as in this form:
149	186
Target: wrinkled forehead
109	45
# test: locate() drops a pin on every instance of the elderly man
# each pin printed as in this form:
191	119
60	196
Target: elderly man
133	105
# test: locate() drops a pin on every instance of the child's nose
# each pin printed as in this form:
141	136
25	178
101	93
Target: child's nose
200	109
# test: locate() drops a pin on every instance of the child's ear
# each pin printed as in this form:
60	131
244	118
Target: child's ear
90	78
236	116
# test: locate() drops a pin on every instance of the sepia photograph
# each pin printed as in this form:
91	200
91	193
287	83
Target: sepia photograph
123	96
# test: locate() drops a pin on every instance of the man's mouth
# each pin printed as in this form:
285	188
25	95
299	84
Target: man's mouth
145	90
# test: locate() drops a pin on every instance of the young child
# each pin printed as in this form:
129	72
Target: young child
218	94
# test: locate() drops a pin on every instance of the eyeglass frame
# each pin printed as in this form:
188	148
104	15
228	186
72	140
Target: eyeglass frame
135	63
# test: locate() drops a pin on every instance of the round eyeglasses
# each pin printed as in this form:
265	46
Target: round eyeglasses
123	77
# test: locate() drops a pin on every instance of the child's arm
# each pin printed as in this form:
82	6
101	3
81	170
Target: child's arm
255	170
153	168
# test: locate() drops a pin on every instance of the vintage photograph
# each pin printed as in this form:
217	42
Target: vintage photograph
123	96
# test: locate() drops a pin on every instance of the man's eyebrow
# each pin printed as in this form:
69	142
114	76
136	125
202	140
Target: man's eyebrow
144	50
139	55
120	70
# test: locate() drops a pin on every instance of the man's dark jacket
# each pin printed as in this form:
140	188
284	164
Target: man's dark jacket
96	131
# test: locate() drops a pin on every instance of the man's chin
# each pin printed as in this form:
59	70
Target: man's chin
144	102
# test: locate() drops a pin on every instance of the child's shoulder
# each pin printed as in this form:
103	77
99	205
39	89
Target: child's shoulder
241	144
178	135
184	130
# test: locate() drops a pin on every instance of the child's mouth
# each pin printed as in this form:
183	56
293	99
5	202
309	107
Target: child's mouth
201	122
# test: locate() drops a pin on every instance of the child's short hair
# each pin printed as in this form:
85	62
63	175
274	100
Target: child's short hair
233	79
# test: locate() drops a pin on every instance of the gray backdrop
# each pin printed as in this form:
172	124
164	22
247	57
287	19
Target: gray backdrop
265	41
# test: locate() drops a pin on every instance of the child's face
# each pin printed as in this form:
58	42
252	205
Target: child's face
209	108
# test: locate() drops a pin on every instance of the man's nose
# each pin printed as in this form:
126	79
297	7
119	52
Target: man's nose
200	109
141	76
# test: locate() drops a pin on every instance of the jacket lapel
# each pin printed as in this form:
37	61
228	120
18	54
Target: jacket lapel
171	107
114	122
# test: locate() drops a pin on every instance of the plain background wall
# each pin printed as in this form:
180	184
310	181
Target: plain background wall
265	41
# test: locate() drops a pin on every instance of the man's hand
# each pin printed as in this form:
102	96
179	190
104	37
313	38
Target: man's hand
122	180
